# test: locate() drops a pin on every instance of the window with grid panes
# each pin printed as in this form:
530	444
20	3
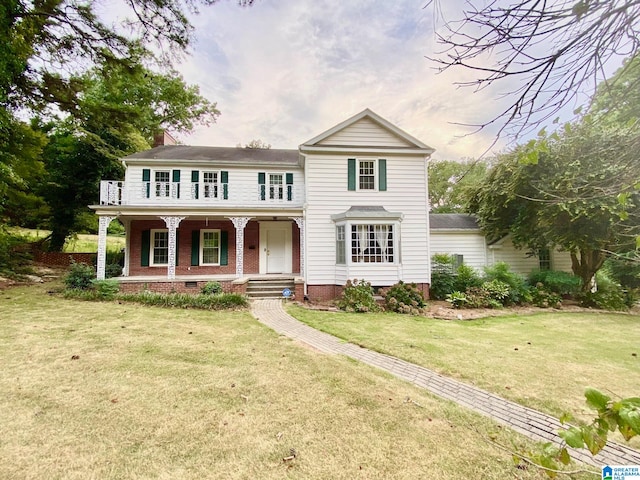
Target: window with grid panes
210	182
372	243
162	183
341	257
160	247
210	247
366	175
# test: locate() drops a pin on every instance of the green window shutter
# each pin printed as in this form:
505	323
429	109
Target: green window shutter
146	177
195	247
224	248
224	178
351	174
261	182
145	248
289	180
176	179
382	175
195	178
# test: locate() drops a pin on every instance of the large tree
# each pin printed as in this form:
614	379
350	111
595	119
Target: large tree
117	113
577	189
544	52
450	183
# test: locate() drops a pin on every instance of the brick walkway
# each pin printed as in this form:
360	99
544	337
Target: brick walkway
534	424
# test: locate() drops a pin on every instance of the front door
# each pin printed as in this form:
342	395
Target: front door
275	247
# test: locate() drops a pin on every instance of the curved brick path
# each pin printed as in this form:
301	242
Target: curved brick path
534	424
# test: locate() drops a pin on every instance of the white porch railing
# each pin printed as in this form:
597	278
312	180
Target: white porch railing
199	193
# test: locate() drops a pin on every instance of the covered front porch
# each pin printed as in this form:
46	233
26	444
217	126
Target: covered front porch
189	248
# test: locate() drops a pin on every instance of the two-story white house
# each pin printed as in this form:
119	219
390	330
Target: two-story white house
349	203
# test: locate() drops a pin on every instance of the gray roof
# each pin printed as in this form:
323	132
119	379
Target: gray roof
219	154
453	221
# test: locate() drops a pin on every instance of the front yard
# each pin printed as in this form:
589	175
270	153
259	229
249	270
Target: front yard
108	390
544	361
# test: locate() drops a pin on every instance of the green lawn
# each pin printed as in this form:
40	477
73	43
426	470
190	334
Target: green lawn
543	361
81	243
109	390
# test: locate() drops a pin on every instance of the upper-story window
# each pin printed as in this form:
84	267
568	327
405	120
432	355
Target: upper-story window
210	184
162	183
275	186
367	174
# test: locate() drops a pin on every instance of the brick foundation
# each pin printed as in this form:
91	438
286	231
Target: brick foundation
179	287
323	293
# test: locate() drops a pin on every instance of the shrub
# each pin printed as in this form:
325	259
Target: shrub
497	290
609	296
466	277
457	299
518	290
624	270
404	298
105	289
541	297
223	301
211	288
112	270
554	281
357	296
14	254
442	284
80	276
478	297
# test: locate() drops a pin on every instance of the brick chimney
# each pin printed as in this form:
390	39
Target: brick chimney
163	138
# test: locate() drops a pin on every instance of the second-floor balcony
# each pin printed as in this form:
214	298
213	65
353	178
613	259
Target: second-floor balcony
200	193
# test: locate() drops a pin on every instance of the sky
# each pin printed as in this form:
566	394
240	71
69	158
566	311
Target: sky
284	71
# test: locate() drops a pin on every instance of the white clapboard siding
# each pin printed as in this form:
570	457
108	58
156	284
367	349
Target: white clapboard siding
328	194
243	181
468	243
517	259
365	132
561	261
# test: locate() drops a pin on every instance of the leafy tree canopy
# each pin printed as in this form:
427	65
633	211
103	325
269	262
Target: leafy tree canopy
450	183
577	189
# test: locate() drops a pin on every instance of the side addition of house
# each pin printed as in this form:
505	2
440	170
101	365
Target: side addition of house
349	203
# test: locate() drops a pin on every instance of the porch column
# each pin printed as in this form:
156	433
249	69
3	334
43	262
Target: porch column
105	220
127	245
239	223
300	222
172	225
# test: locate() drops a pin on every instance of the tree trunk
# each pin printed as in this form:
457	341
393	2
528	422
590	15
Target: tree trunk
587	265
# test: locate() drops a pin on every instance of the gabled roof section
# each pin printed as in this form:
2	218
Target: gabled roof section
366	131
231	155
453	221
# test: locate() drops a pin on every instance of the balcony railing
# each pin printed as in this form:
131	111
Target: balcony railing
199	193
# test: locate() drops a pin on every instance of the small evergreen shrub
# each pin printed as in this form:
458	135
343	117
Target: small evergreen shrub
112	270
357	297
404	298
80	276
211	288
554	281
442	284
466	277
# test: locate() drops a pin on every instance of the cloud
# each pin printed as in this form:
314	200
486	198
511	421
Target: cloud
285	71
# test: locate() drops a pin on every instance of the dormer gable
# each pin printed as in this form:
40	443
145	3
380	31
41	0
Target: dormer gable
366	131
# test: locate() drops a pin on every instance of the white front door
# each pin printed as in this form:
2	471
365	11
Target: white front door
275	247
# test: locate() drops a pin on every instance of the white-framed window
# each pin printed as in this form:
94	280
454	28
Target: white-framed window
159	252
276	186
209	247
162	183
372	243
544	259
341	256
210	184
366	174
